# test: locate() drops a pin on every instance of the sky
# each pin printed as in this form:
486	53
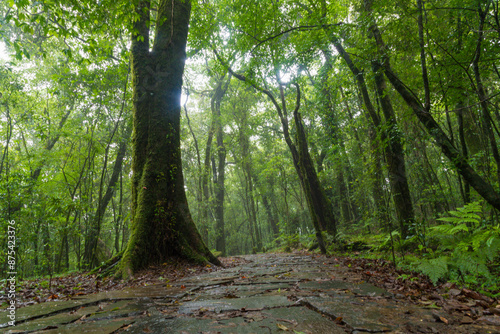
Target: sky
3	52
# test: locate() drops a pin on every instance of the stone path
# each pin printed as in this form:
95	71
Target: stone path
273	293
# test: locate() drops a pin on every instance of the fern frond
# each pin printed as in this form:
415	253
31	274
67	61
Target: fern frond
434	268
459	228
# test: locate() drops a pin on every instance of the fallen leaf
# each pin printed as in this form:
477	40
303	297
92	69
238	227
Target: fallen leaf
438	317
482	303
282	327
293	322
472	294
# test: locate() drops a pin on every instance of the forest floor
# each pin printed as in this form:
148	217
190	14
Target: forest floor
264	293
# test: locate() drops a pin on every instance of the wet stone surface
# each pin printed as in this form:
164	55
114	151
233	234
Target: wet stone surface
273	293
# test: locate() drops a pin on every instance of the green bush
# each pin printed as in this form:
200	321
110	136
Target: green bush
467	247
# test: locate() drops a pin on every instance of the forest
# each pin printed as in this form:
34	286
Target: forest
143	130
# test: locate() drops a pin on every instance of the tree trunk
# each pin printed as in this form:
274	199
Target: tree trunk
318	204
247	166
202	221
395	158
395	164
162	226
482	94
465	152
252	206
219	168
271	217
343	168
483	188
205	212
91	240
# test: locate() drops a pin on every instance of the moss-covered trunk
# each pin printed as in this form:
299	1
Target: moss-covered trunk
395	157
162	226
319	205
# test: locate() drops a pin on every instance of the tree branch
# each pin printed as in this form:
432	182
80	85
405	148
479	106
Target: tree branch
299	28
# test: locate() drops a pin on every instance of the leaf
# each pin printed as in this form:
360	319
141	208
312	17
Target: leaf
282	327
433	306
439	318
434	268
459	228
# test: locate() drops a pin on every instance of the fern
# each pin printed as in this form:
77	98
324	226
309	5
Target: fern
461	219
434	268
466	247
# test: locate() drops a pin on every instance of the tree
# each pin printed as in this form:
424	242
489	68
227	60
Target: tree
162	226
422	111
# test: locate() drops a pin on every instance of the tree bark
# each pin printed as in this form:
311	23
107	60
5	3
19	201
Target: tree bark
395	158
205	173
482	94
162	226
220	167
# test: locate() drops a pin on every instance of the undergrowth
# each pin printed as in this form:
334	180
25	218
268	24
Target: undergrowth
464	248
468	250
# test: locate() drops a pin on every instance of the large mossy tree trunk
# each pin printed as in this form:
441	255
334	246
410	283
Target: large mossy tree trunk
162	226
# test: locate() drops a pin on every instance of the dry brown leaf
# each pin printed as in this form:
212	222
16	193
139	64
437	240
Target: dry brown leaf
282	327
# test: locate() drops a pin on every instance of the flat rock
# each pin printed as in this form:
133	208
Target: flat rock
236	304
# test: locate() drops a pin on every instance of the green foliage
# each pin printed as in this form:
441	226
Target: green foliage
290	241
434	268
460	220
388	240
467	247
73	58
